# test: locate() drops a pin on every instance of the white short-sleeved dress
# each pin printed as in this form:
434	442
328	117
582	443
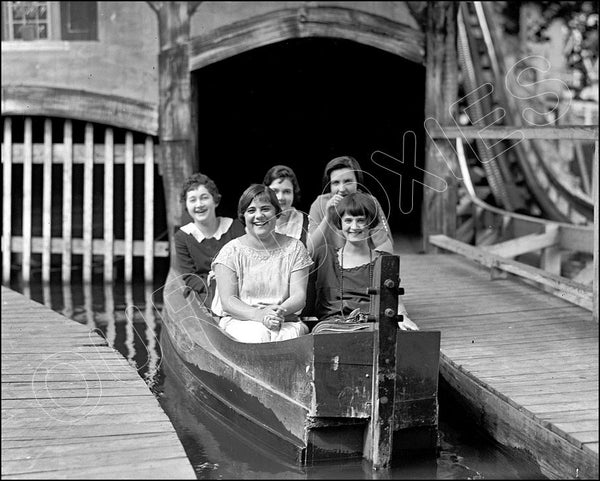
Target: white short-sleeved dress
263	279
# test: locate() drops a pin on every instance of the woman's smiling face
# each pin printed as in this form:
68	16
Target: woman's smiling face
343	181
355	228
200	204
260	217
284	190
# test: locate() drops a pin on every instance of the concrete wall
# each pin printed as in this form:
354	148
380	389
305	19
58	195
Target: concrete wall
124	62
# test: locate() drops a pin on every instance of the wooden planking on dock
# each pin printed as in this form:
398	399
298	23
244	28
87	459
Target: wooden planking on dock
525	361
72	407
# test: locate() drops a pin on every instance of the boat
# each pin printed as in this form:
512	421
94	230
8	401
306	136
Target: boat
368	393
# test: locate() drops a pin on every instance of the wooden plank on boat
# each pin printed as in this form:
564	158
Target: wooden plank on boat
66	394
384	305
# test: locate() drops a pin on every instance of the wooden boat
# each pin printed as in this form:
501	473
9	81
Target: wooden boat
370	393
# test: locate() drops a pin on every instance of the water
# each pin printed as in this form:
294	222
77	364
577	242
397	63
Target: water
128	316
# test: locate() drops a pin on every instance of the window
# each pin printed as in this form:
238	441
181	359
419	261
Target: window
78	20
26	21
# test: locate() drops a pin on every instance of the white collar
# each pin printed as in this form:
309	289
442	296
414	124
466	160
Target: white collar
192	229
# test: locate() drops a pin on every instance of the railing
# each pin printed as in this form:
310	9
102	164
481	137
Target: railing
519	234
68	154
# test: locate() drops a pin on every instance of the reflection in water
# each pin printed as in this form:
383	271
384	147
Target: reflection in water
130	312
151	340
87	301
67	310
109	315
47	294
129	318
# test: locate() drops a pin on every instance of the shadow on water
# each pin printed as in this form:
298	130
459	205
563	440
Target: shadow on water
129	317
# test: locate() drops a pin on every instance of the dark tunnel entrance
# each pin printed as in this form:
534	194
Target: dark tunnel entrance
302	102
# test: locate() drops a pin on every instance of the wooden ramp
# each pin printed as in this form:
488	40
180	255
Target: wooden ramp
526	362
72	407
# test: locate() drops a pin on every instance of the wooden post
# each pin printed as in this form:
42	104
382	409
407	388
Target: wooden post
67	202
178	159
109	187
149	210
47	204
596	237
27	175
441	92
88	202
7	201
128	276
384	304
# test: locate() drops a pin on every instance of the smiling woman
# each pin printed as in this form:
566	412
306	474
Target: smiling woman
197	243
261	276
282	180
342	176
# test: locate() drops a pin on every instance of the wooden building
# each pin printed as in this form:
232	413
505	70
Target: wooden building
134	66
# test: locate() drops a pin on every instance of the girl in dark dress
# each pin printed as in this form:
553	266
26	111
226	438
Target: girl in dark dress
345	273
198	243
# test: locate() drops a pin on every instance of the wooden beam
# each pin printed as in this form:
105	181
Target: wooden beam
441	91
595	174
559	286
527	243
59	153
303	22
47	201
384	307
563	132
81	105
6	200
178	158
161	248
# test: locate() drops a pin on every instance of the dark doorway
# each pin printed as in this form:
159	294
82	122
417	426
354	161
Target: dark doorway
303	102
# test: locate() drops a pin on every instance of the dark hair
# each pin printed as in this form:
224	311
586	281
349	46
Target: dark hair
260	192
196	180
357	203
344	162
283	172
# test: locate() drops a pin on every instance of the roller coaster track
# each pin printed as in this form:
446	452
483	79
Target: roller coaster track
532	161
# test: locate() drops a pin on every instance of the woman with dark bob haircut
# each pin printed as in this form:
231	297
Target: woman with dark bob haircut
342	176
262	275
345	272
282	180
197	243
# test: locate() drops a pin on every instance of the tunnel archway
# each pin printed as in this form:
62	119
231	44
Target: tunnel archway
302	102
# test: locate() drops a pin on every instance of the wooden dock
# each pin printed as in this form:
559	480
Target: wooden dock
72	407
523	361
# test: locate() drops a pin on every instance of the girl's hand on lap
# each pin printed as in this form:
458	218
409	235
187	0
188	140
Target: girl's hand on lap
407	325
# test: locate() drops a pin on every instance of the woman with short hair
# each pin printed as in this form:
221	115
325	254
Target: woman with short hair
262	275
282	180
342	176
344	273
198	242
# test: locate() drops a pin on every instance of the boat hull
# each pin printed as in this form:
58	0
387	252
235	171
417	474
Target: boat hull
305	399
